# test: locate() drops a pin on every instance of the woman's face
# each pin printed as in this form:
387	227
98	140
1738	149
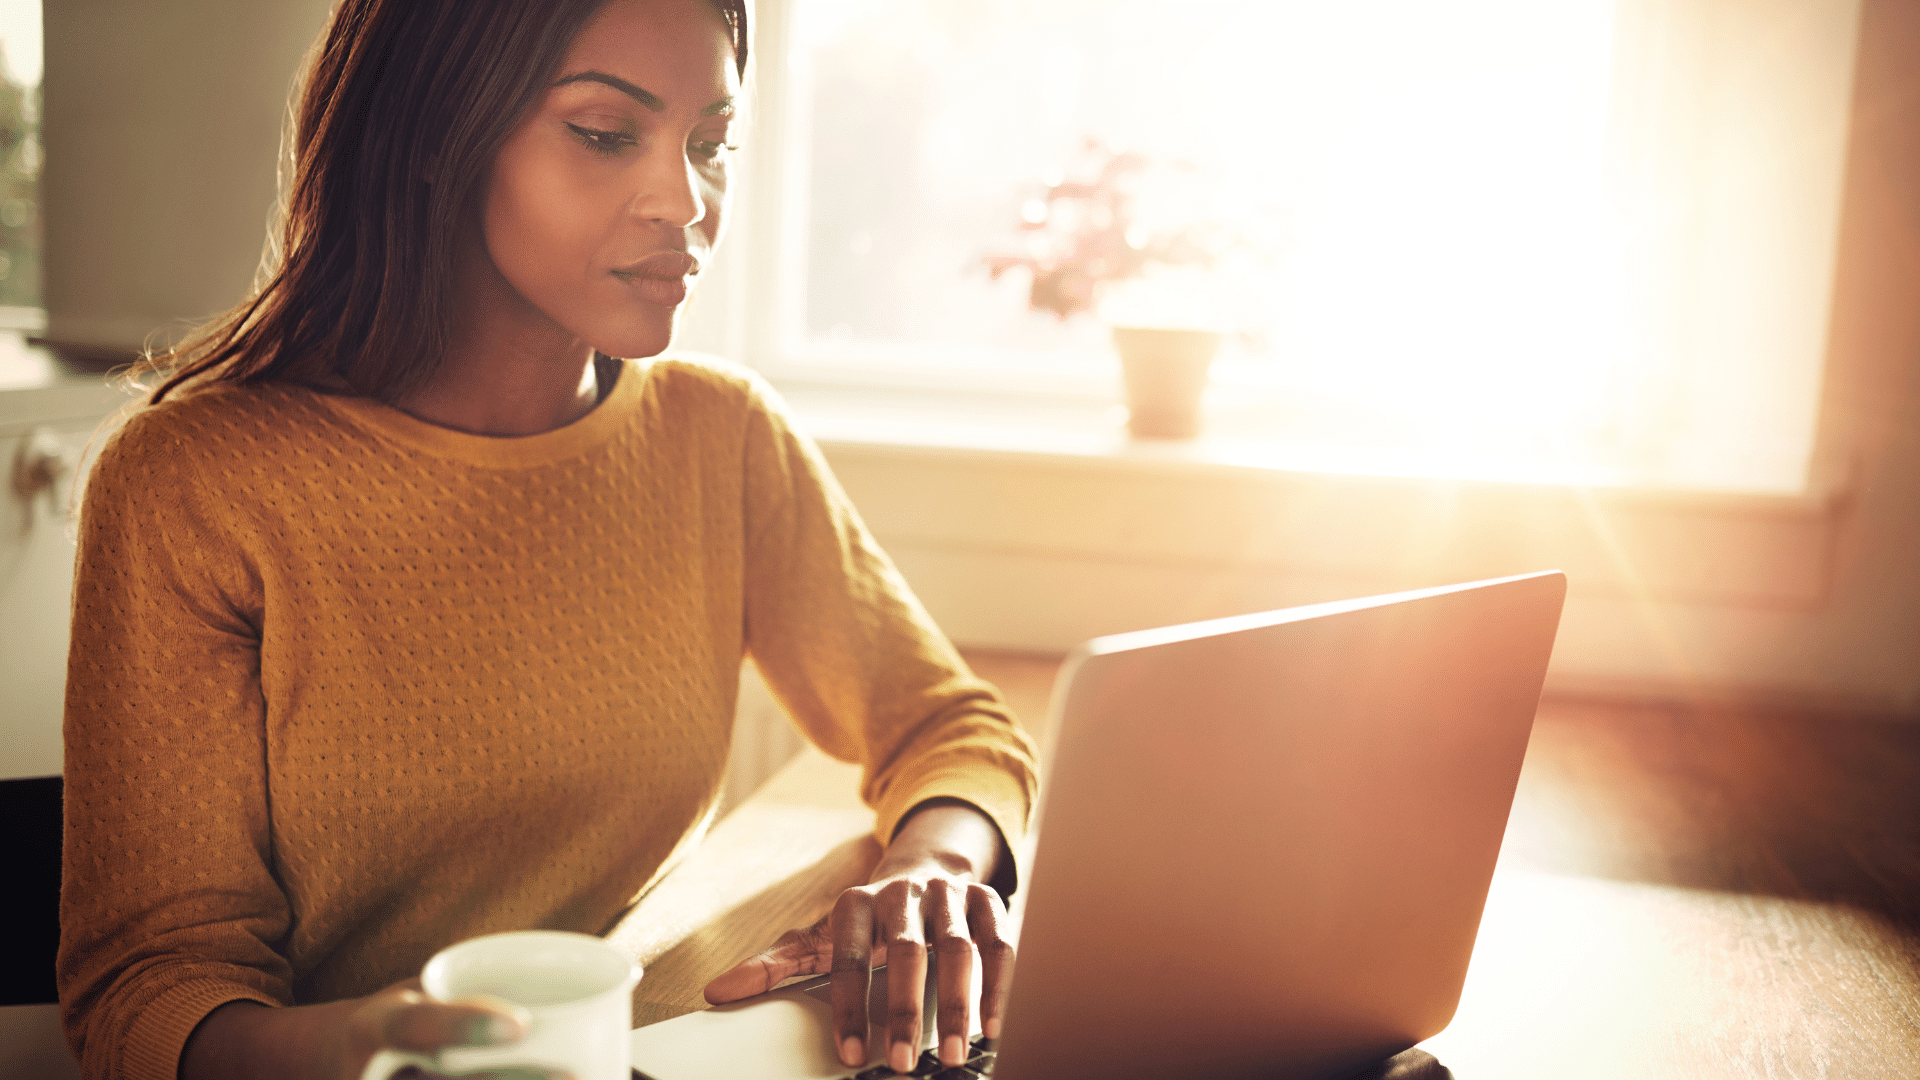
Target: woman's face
608	198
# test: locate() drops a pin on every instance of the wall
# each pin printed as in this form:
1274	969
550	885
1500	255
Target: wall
161	124
1037	552
1868	633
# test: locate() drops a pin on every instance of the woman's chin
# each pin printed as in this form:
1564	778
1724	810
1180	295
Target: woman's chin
636	343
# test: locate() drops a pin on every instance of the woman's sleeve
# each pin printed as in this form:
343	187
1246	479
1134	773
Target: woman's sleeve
168	904
853	657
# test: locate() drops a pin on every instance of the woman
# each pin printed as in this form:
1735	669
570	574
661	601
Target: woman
404	614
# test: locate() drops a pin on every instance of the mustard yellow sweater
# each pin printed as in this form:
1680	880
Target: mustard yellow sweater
346	687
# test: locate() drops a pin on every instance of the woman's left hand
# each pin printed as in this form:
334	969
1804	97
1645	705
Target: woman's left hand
928	889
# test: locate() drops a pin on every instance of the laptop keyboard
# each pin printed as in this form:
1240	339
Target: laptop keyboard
979	1063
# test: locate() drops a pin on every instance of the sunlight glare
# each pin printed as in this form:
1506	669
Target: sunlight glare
1452	247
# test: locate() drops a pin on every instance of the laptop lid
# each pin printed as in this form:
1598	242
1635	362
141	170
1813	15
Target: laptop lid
1265	841
1264	846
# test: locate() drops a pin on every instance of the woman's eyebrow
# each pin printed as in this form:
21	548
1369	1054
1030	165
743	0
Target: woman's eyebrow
646	98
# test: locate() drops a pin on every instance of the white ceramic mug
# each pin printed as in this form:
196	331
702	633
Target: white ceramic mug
578	989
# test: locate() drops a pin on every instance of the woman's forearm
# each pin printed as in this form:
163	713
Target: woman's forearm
247	1039
334	1041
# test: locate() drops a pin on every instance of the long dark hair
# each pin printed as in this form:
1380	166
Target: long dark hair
404	107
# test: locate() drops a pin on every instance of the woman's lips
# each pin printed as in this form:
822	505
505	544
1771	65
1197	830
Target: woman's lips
661	278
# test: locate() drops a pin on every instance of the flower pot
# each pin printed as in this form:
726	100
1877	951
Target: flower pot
1165	372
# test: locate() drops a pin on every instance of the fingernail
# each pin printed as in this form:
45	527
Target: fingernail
491	1031
991	1029
852	1053
900	1060
953	1050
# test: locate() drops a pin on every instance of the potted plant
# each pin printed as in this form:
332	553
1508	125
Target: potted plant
1130	238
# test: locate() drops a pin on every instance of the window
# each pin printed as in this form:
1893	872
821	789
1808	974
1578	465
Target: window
1589	240
20	303
20	153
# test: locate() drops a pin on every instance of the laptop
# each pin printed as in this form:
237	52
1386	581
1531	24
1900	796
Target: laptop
1263	850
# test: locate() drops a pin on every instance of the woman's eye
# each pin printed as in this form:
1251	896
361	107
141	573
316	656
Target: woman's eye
601	142
709	150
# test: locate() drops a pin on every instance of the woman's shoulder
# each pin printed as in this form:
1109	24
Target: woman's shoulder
220	410
214	422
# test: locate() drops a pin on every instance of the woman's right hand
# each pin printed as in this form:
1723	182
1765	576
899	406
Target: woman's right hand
402	1017
335	1041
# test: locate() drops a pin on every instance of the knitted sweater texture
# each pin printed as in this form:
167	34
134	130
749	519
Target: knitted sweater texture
346	687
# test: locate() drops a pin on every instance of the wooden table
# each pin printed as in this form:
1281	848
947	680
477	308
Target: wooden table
1655	913
1578	977
777	862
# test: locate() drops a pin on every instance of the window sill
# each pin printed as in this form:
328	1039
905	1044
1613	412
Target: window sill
1064	433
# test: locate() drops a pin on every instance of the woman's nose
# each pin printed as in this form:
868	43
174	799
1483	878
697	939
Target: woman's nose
670	192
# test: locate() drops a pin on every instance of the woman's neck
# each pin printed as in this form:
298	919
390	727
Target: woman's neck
507	395
510	369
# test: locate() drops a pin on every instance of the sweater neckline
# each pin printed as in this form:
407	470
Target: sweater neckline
502	451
